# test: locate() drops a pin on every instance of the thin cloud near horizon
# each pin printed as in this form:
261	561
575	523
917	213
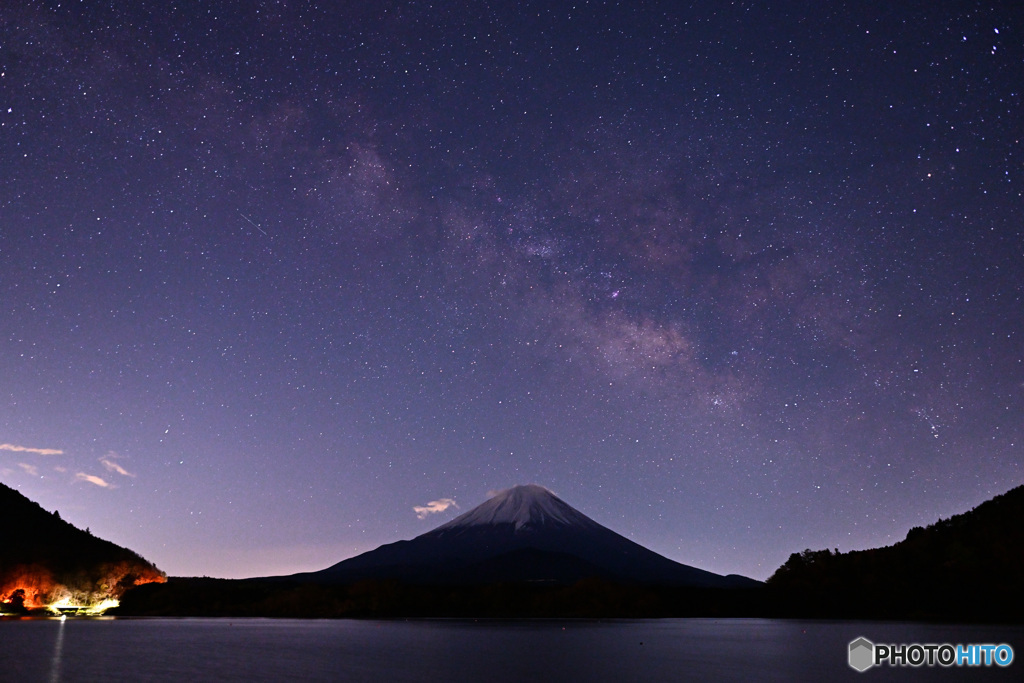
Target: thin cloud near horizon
114	467
92	479
28	449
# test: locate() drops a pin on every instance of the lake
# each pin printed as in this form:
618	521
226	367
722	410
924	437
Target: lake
468	650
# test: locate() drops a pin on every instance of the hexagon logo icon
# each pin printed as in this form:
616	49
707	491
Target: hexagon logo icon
862	654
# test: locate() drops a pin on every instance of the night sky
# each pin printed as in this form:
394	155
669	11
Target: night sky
282	283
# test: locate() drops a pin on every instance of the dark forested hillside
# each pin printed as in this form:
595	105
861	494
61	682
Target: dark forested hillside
45	560
969	566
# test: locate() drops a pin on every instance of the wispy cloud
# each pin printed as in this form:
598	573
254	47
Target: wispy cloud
30	469
26	449
112	466
92	479
434	506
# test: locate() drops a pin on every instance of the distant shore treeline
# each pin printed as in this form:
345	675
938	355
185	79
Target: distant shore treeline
391	598
383	599
589	598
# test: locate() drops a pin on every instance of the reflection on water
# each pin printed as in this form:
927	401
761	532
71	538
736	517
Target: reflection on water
467	650
58	648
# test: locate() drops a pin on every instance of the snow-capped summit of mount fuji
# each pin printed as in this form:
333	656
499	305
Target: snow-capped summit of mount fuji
522	534
521	506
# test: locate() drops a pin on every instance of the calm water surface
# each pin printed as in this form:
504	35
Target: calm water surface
466	650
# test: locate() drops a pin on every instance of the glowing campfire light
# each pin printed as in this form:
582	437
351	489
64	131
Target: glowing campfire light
62	604
102	607
34	588
65	605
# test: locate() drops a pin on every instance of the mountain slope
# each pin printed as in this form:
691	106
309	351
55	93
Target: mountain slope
525	533
46	561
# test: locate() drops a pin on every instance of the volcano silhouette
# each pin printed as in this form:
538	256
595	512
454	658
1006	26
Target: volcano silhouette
525	533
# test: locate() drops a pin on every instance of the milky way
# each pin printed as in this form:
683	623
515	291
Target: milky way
281	284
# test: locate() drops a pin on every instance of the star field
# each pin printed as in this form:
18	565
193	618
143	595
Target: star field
731	280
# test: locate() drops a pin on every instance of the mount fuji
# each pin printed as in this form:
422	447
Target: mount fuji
523	534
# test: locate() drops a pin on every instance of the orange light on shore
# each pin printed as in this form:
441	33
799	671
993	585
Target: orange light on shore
34	589
28	591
